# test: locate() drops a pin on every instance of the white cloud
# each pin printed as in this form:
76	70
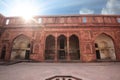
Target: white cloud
86	11
112	7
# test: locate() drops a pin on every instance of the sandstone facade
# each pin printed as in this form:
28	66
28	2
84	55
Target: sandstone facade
83	38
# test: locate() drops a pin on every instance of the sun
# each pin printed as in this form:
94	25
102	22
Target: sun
26	11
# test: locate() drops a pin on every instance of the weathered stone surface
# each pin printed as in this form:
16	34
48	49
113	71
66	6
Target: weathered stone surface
56	26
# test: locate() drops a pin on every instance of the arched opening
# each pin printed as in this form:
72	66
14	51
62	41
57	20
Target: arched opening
20	48
62	43
104	47
74	47
50	48
3	53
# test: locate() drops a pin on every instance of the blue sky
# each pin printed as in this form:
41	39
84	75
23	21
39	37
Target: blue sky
60	7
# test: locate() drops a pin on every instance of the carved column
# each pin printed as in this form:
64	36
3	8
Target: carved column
68	53
56	56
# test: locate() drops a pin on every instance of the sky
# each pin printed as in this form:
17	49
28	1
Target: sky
58	7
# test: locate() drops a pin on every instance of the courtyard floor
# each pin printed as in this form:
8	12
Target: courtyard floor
41	71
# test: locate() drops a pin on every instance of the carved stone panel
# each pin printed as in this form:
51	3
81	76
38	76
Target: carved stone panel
85	35
86	48
36	48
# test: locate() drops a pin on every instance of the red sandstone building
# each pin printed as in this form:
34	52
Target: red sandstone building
60	38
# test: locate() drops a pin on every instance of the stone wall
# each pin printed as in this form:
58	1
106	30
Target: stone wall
37	32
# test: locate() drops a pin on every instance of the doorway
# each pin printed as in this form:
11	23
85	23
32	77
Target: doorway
21	48
62	43
50	48
104	47
74	47
3	53
97	51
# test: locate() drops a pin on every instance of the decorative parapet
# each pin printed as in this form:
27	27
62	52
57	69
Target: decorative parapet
2	19
64	21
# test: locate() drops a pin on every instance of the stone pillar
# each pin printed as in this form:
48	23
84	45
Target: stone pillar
8	51
31	46
42	42
56	52
117	49
68	53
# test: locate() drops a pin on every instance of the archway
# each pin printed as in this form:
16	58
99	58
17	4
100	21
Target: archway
74	47
62	43
50	48
3	53
20	48
105	48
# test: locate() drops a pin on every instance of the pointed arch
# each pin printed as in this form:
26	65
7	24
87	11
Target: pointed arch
104	34
62	34
74	35
49	36
104	46
74	47
62	42
50	47
20	47
21	35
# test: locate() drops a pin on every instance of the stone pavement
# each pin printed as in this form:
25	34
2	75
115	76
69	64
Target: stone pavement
41	71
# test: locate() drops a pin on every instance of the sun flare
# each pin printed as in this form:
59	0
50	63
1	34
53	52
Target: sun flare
25	11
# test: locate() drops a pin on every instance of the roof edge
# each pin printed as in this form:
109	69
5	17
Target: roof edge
73	15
